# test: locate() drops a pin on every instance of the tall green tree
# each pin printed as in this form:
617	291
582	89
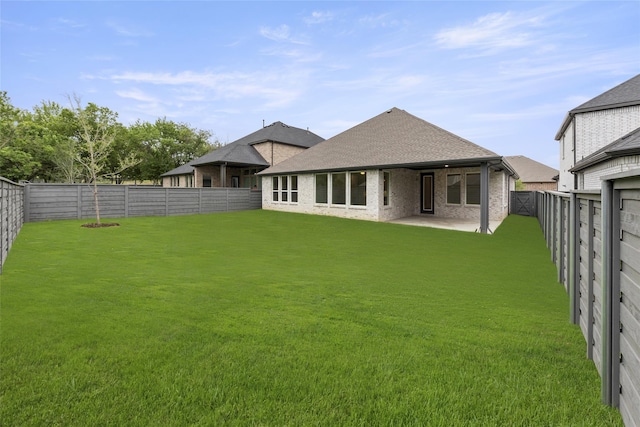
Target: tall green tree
16	160
165	145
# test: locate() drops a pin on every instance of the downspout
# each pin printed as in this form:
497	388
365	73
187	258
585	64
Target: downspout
484	197
575	131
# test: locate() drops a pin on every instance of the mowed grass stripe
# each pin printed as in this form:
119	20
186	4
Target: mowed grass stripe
282	319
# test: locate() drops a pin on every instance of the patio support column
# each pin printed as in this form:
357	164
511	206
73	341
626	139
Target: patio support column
223	175
484	197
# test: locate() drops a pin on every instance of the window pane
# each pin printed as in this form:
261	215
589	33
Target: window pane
294	182
453	189
321	188
284	196
473	189
387	176
284	182
338	188
275	196
275	183
359	188
294	196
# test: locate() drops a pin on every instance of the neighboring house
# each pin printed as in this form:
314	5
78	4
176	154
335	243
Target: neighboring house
621	155
392	166
534	176
236	164
592	126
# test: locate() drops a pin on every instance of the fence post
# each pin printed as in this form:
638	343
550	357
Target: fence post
610	295
574	257
126	201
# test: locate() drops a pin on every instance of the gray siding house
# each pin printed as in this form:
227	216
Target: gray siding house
237	163
392	166
598	125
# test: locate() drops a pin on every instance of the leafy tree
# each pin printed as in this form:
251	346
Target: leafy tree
165	145
16	161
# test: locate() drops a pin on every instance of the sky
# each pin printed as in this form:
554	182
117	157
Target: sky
500	74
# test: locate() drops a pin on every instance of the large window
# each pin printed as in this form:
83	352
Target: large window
275	188
473	188
385	188
338	188
285	189
322	188
358	188
284	181
454	185
294	189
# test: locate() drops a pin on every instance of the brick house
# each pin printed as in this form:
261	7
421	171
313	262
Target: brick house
392	166
594	137
534	176
237	163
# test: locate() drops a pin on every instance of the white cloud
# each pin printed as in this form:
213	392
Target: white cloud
280	34
492	32
137	95
128	31
319	17
70	23
378	21
274	89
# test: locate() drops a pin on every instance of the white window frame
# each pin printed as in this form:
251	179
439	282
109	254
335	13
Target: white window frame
466	189
459	192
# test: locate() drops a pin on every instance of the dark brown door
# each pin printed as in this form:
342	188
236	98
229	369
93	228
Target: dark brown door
427	193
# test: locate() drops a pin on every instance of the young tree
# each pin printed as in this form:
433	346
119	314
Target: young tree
97	128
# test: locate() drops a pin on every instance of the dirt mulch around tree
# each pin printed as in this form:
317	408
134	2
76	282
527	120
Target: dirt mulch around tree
104	224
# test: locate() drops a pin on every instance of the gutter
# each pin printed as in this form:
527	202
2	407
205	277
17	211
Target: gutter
440	164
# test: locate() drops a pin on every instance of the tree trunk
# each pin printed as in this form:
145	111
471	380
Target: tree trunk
95	201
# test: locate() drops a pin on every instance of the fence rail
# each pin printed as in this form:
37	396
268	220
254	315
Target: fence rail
11	215
594	240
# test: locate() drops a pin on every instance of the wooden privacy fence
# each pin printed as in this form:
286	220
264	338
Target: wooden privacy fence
11	215
42	202
75	201
594	239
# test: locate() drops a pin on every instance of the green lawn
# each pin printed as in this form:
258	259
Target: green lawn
266	318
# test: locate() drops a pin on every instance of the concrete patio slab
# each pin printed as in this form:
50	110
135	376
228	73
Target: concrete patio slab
446	223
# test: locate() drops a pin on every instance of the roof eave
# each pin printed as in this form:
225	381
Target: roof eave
571	114
439	164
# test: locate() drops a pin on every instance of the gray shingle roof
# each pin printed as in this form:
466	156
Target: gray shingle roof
623	95
530	170
627	145
627	93
391	139
241	151
181	170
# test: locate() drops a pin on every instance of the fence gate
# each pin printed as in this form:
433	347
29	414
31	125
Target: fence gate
523	203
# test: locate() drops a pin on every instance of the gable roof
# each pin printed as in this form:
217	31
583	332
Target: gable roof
394	138
532	171
185	169
241	151
624	95
627	145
